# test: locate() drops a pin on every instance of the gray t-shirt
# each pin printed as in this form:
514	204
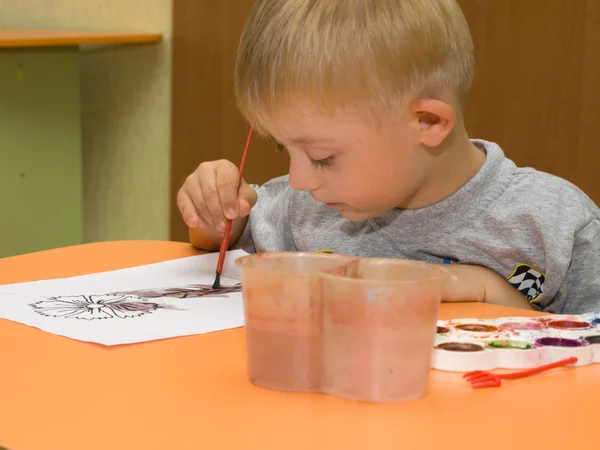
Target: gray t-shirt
538	231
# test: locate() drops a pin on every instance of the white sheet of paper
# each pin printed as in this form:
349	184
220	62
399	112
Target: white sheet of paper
103	307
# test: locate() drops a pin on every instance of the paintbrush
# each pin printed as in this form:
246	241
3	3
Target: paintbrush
225	241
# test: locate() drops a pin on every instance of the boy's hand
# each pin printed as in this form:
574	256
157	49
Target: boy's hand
479	284
211	195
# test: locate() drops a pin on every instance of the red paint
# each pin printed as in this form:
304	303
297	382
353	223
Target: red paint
460	347
477	328
569	325
522	325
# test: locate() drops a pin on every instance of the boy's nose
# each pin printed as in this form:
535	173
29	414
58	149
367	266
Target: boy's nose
303	177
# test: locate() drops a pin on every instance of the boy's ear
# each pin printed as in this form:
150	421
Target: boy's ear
435	120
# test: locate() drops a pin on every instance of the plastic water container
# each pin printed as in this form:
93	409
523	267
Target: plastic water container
361	329
283	308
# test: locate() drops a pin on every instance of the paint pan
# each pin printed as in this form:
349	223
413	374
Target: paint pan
593	340
476	328
518	342
522	326
569	325
510	344
459	347
560	342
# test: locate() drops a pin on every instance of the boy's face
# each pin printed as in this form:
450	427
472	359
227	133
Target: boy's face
361	170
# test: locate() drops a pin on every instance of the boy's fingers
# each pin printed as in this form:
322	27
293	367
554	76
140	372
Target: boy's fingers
248	193
204	219
227	186
244	207
213	210
193	190
247	198
187	209
201	223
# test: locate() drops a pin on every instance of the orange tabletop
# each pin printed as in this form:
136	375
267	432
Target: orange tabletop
192	392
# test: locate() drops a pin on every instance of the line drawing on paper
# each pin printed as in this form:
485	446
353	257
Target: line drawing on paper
91	307
122	305
192	291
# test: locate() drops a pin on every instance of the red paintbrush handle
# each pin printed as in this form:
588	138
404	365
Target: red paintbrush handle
225	242
526	373
224	246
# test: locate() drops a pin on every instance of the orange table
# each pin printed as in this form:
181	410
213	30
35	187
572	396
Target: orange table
192	393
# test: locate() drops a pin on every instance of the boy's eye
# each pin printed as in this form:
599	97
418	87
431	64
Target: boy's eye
318	163
322	163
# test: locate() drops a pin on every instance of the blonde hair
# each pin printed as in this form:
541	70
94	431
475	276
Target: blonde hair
363	55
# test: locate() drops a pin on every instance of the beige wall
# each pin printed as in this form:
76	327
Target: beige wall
125	112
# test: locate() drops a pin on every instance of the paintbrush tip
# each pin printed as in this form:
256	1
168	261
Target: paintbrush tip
217	283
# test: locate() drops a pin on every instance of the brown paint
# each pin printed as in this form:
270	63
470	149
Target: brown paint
477	328
442	330
460	347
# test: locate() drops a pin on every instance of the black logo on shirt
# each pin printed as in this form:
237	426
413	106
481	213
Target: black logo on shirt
528	281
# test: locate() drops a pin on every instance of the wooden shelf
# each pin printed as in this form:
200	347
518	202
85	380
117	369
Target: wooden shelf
16	38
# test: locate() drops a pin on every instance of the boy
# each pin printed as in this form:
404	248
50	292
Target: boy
367	97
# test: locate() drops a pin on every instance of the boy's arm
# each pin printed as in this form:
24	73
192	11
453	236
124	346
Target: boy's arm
479	284
580	292
583	278
209	239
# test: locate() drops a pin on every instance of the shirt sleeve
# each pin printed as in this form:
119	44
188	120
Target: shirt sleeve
583	277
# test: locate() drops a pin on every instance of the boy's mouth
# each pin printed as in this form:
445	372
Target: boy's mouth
328	204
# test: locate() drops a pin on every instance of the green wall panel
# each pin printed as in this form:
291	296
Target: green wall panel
40	150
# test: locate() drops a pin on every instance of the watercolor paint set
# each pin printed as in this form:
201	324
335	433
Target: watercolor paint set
463	345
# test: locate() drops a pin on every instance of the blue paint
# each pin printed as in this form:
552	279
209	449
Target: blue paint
372	296
596	321
447	261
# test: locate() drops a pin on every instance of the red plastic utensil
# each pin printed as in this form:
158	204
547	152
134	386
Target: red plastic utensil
483	379
225	241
